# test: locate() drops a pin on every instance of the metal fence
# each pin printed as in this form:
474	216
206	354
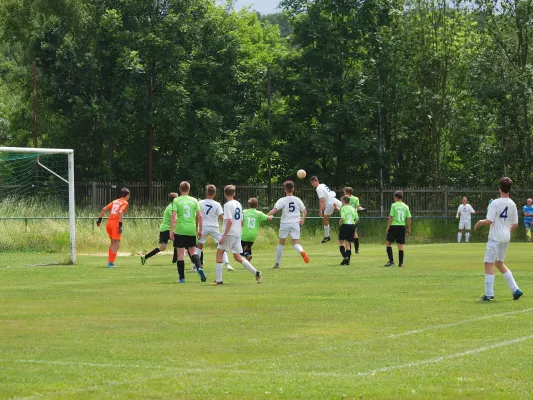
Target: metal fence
441	201
422	201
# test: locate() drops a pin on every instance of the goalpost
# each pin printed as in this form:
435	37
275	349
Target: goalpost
33	182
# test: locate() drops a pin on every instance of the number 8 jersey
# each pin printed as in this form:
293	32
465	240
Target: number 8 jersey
292	207
502	212
233	211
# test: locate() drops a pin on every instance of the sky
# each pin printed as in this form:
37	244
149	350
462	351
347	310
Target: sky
263	6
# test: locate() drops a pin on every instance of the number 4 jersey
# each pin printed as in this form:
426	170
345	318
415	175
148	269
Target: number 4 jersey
502	212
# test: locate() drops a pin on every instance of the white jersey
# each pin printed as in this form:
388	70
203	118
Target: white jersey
325	193
233	211
291	207
502	212
211	209
465	212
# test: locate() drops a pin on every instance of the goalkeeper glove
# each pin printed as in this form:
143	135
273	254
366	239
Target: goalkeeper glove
362	209
120	227
99	222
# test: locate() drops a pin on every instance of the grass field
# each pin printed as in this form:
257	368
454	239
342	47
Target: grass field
309	331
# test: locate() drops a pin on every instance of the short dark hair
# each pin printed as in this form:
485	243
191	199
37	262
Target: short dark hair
253	202
289	186
314	178
185	187
345	199
229	190
124	192
398	194
172	196
210	190
348	190
505	184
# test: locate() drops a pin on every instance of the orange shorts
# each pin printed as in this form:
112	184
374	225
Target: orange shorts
112	229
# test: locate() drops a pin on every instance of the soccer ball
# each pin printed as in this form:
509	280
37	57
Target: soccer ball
301	174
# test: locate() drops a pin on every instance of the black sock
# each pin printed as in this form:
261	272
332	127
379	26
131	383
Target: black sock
175	256
196	261
152	253
181	269
389	253
348	254
190	257
400	256
343	251
356	244
202	257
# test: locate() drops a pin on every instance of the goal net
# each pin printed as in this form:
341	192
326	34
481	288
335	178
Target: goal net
37	218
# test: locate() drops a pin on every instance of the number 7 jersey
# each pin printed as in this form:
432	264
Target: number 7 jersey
291	207
503	213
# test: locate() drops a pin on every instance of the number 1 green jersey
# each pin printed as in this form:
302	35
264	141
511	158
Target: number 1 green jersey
399	211
186	208
252	223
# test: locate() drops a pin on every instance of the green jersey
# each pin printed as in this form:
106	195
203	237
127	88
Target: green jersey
165	225
252	221
186	208
354	202
348	215
399	211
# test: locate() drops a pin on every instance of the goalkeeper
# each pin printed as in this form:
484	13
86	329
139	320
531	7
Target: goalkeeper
116	209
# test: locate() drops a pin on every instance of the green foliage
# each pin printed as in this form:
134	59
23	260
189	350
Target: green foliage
430	93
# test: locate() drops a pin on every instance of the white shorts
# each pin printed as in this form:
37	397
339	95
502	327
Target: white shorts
329	207
495	251
292	229
465	224
232	244
210	231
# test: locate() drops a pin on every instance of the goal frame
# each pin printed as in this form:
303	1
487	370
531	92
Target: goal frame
71	196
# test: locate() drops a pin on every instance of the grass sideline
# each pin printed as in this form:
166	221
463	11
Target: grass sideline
309	331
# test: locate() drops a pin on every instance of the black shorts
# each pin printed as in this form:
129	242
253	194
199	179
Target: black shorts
246	244
184	241
396	234
164	237
346	232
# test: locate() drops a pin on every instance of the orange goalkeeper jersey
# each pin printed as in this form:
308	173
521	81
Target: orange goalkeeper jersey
116	207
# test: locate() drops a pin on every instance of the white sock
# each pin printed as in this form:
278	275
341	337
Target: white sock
279	253
459	236
489	285
467	236
225	258
298	248
508	276
246	264
218	269
326	230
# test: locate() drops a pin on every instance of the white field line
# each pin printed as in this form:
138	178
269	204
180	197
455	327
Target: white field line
393	336
182	371
250	362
